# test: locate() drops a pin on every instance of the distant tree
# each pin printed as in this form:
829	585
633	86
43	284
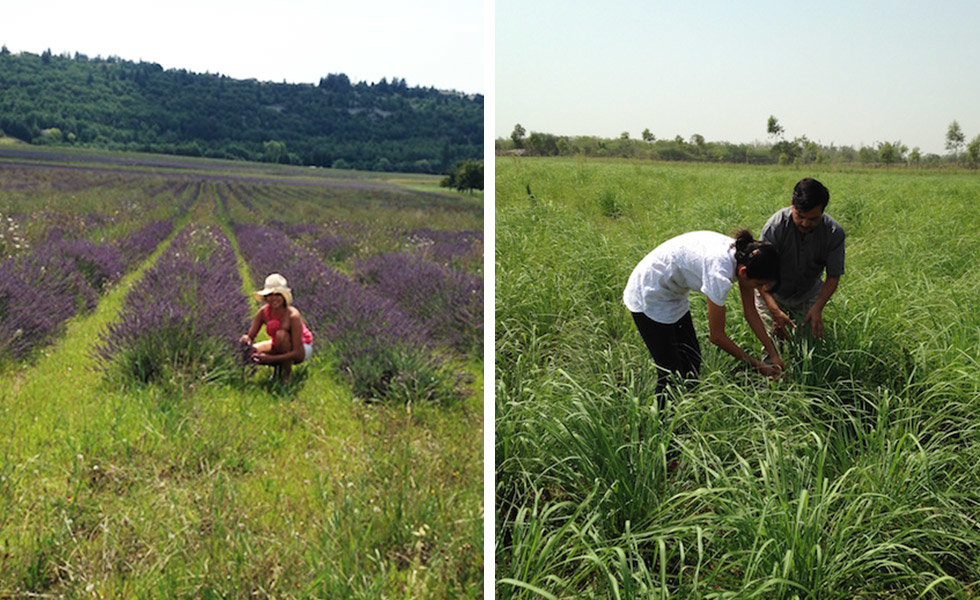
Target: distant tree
915	156
786	151
809	150
518	136
542	144
773	128
847	154
886	151
188	149
623	146
273	151
900	150
973	149
697	140
51	135
954	138
467	176
335	82
472	176
647	136
867	155
18	127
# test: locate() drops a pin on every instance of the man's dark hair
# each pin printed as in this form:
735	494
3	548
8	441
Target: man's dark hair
809	194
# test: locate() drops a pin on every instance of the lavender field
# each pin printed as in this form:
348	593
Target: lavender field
141	454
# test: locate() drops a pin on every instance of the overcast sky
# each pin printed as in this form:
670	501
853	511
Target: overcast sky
843	72
437	43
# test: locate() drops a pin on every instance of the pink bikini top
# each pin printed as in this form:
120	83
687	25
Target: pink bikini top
272	326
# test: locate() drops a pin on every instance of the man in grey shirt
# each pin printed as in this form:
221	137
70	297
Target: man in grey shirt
809	242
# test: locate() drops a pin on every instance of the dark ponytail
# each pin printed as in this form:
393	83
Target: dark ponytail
760	258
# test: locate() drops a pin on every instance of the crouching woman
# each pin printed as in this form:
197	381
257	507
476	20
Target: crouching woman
290	341
657	294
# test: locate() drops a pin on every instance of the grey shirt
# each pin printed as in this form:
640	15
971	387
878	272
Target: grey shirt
803	258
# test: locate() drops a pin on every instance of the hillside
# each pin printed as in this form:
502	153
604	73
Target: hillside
119	104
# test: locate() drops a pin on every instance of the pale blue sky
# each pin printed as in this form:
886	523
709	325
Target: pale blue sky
437	43
841	72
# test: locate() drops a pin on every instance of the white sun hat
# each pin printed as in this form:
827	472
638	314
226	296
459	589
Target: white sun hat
274	284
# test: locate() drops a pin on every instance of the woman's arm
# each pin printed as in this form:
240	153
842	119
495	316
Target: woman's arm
253	330
718	337
751	313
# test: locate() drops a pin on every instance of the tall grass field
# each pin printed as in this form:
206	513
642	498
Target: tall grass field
854	476
143	456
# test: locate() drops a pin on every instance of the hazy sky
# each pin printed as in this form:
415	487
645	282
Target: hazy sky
841	72
436	43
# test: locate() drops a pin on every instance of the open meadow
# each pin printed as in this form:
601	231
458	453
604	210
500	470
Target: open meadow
142	455
855	476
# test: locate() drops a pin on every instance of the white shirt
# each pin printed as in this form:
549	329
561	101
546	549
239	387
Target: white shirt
699	261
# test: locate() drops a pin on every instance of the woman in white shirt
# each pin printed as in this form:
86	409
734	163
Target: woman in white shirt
657	294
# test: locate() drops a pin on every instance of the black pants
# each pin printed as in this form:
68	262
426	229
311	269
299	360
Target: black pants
674	348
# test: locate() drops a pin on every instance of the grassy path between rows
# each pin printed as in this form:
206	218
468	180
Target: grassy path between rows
244	490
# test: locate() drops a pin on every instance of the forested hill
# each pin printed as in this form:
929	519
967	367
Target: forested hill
124	105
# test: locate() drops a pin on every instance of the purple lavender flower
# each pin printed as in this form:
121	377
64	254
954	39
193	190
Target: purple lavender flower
184	316
36	298
42	290
458	249
135	247
448	303
98	265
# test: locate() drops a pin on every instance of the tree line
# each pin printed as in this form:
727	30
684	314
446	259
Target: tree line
779	150
465	177
119	104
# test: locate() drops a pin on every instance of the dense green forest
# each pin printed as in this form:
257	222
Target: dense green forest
119	104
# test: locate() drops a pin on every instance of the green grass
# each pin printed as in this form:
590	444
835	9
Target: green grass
243	489
854	477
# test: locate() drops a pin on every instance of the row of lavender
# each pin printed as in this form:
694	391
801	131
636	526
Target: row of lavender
44	287
385	352
338	241
462	250
447	303
425	273
180	322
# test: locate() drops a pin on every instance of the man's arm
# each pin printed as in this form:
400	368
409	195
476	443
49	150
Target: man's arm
780	320
814	316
